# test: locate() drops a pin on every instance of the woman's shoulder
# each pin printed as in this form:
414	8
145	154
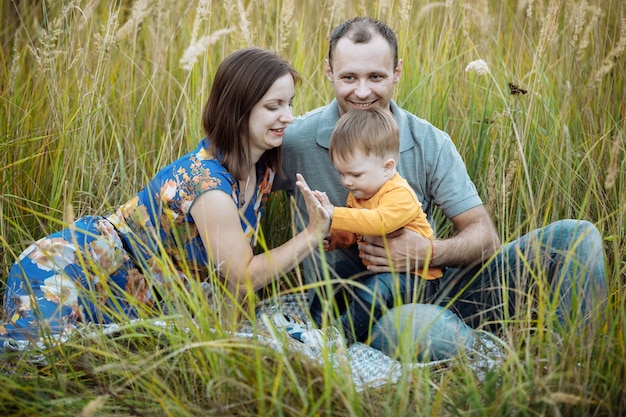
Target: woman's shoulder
192	174
201	156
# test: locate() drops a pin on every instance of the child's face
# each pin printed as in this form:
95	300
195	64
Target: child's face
364	175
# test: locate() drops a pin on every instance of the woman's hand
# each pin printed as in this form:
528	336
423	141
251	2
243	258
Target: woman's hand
319	218
219	224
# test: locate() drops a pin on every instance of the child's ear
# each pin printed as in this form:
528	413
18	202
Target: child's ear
389	164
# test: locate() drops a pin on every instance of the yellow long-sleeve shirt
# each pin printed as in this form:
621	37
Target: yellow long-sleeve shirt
393	207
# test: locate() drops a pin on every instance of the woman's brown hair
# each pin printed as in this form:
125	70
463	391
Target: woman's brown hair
241	80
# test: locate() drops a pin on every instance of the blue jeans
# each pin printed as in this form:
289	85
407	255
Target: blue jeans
568	252
368	298
486	295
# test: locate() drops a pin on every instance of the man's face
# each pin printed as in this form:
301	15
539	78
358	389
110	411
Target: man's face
363	74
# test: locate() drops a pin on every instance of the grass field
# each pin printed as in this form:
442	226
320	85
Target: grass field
96	96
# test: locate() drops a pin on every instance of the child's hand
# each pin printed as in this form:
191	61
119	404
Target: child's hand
324	201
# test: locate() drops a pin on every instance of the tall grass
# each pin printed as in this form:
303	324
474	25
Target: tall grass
96	96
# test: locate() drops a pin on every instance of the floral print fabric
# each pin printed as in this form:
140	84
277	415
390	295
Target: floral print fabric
103	266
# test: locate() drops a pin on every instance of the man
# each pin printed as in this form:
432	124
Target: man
363	67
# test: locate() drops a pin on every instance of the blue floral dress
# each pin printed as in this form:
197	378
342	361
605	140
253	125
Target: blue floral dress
105	264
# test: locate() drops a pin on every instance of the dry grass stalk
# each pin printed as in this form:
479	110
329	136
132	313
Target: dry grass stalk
68	208
286	23
562	398
491	183
549	27
104	42
609	182
337	10
362	8
87	12
596	12
483	17
191	54
140	10
203	13
466	9
567	137
522	6
48	50
93	406
425	9
405	10
384	9
579	21
478	66
529	8
613	56
511	169
479	12
15	67
244	23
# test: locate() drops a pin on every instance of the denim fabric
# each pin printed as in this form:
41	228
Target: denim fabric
569	252
370	297
421	332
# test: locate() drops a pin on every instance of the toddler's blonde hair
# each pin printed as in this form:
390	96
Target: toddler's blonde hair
371	131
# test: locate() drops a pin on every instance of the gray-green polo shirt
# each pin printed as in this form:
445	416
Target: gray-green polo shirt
428	160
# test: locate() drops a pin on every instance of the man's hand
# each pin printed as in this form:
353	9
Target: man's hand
475	241
405	249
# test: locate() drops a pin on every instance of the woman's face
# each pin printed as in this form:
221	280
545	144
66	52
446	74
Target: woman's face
270	116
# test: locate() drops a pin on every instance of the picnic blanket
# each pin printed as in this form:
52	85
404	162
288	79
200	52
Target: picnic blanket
368	367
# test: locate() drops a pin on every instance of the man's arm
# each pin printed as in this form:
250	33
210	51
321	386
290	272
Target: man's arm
475	241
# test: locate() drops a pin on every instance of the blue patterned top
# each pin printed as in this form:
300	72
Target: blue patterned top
157	219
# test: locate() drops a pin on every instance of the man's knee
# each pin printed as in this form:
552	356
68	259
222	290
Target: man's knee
421	331
376	290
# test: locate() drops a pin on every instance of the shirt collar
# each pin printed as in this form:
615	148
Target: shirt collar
330	116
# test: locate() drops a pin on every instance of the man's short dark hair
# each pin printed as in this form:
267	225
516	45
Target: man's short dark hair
360	29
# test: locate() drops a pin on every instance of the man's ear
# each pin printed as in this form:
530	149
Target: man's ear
328	69
397	72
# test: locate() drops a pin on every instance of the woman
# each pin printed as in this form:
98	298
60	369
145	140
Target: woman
197	215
